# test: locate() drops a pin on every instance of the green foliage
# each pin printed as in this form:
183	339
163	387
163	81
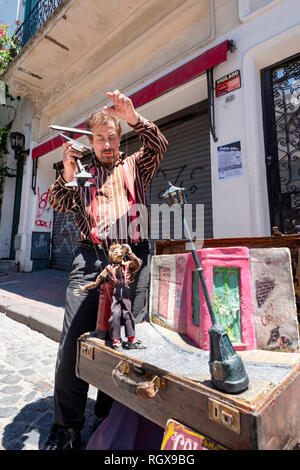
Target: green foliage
4	131
8	48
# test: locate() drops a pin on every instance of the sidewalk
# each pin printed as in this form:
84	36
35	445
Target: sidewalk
35	299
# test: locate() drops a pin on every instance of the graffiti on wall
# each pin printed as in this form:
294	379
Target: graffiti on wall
43	214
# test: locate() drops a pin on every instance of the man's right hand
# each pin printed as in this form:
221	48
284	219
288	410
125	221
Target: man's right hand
70	166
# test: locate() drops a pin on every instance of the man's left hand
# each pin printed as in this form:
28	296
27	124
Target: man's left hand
122	108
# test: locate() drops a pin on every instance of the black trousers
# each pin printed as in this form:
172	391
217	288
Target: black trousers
70	392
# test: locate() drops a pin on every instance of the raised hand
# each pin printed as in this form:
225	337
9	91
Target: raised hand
122	108
69	162
126	249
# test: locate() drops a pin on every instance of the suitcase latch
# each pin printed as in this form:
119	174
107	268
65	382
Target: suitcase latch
159	383
87	351
124	367
225	415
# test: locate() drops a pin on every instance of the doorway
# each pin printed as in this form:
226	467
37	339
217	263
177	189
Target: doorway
281	112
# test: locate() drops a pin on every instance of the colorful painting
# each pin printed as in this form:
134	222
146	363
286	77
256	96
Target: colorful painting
227	276
274	303
226	302
252	292
167	299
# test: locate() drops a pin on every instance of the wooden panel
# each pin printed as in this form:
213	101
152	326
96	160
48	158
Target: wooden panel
280	421
166	247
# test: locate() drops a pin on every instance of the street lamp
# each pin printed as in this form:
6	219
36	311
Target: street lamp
17	142
226	367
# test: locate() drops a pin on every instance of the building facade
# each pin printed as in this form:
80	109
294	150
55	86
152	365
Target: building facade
220	78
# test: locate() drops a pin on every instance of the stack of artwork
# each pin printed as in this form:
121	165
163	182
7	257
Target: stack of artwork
251	289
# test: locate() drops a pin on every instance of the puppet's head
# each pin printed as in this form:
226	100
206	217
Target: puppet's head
116	254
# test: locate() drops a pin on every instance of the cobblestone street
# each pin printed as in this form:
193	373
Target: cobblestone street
27	364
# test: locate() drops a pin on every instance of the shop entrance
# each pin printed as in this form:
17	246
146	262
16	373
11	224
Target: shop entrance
281	106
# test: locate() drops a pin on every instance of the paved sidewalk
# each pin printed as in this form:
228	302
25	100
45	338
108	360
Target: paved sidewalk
31	316
35	299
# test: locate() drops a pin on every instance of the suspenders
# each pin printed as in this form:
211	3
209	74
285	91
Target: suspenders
112	270
129	181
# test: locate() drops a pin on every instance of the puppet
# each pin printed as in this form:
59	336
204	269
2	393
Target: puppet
120	274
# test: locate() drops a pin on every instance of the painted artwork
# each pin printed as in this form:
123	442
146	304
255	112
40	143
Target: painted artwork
251	290
227	276
226	302
167	299
43	212
274	303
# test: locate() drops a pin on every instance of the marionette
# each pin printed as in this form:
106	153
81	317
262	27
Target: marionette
120	274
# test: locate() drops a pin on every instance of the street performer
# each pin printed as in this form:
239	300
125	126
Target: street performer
102	211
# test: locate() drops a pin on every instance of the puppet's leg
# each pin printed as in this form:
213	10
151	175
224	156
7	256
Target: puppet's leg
128	319
115	321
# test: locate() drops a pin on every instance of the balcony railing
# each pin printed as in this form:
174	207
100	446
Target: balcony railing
35	20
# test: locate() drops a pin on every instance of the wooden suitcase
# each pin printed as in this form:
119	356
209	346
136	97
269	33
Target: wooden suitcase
264	417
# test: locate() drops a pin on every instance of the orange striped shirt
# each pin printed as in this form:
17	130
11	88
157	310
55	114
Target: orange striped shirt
112	197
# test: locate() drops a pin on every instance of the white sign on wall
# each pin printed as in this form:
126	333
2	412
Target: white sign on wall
230	160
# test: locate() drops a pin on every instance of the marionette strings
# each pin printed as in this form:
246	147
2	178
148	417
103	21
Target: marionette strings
82	211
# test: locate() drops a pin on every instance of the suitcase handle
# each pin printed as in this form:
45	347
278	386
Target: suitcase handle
143	389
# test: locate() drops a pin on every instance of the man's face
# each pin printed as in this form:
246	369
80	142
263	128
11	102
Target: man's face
106	142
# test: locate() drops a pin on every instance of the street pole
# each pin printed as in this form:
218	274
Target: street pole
226	367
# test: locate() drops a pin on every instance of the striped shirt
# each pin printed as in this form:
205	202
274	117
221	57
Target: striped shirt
108	205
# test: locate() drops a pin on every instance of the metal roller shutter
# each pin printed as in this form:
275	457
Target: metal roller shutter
186	163
65	234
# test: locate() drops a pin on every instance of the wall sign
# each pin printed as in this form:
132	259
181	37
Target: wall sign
230	160
40	245
230	82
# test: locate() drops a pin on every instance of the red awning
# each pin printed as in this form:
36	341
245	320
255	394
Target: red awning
186	72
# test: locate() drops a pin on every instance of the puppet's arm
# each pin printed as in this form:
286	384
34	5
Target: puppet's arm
92	285
135	263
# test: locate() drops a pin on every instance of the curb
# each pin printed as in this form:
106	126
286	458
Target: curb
45	322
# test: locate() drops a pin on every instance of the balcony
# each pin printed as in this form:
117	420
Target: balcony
40	14
73	51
